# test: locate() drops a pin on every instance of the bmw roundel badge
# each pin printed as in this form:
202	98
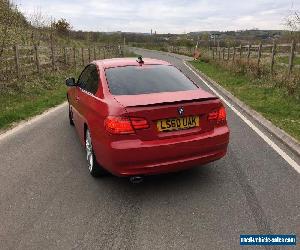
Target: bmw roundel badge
180	111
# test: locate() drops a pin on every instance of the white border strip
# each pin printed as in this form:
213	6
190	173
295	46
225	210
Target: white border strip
284	155
31	121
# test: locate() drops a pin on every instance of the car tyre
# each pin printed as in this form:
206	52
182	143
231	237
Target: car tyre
71	116
94	168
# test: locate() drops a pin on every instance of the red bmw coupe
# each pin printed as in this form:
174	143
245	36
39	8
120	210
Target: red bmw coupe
143	117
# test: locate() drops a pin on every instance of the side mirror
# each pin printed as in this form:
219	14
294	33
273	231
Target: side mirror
71	82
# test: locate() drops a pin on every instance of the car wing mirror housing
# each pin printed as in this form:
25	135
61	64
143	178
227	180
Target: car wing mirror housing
70	82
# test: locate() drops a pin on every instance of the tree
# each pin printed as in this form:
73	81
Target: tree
62	26
293	21
39	25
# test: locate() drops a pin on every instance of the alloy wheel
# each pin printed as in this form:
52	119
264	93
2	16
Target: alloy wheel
89	151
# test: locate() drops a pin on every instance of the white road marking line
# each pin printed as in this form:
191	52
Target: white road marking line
31	121
284	155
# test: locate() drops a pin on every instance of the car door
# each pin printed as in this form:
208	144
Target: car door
87	89
82	80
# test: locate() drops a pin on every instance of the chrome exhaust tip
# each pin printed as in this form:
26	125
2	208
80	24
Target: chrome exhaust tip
136	179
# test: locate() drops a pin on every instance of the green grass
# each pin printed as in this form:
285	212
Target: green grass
31	98
273	103
285	59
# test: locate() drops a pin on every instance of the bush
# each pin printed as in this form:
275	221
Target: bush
62	26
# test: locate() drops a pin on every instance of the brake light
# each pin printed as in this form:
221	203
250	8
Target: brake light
118	125
221	116
218	116
124	125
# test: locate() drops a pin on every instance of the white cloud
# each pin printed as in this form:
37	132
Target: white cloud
174	16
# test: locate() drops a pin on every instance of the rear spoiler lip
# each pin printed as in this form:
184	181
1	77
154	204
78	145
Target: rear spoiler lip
173	102
154	99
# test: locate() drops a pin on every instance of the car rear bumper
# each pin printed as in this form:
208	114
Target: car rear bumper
136	157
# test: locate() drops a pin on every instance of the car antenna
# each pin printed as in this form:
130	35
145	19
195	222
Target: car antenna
140	60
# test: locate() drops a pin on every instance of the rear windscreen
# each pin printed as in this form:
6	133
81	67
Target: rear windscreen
135	80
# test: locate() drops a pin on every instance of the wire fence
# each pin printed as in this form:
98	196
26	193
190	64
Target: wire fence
19	62
275	56
285	55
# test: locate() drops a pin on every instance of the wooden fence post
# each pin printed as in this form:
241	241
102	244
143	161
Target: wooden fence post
82	56
223	54
228	53
241	51
37	59
248	53
17	61
213	53
219	52
273	56
89	54
95	56
259	55
292	55
74	57
233	55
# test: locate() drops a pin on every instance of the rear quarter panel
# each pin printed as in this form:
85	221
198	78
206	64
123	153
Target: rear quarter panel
95	116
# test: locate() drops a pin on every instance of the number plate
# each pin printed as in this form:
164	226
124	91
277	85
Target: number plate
178	123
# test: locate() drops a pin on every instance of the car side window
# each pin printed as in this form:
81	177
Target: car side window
83	78
89	79
93	82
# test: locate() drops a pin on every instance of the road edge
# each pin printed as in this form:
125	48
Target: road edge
24	123
276	132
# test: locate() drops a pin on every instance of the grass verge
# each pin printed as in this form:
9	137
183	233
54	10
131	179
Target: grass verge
285	59
273	103
32	97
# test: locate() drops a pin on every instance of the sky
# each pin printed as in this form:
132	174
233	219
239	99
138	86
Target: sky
165	16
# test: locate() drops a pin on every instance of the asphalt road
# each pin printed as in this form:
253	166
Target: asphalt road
49	200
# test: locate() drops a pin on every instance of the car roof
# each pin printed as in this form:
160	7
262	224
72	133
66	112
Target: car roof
130	61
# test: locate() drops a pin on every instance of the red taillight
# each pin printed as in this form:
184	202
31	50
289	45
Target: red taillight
219	116
118	125
124	125
222	116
